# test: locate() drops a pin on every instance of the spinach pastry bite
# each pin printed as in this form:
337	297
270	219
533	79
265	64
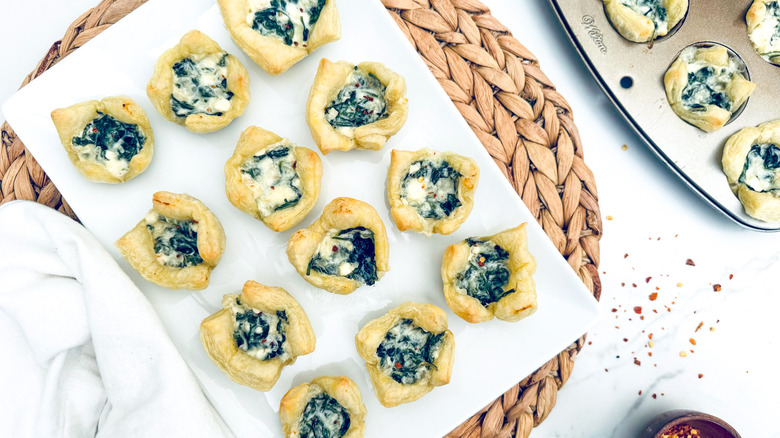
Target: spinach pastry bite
355	106
751	162
642	21
256	334
272	179
429	191
278	33
763	23
198	85
486	277
108	140
325	407
408	352
705	86
177	244
342	250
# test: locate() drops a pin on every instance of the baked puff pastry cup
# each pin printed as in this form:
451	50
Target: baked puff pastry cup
271	179
408	352
763	19
177	244
256	334
486	277
278	34
342	250
355	106
705	86
108	140
751	162
429	191
326	404
641	21
198	85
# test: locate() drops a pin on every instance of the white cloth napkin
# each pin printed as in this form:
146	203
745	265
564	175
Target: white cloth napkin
82	352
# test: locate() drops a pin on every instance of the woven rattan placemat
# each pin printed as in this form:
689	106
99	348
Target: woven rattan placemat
514	109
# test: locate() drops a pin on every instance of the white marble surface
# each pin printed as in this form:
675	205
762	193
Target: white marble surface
656	220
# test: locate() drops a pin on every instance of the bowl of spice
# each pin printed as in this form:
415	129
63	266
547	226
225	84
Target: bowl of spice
683	423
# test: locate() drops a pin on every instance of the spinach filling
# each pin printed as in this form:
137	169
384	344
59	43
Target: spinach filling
200	86
349	253
773	12
360	102
487	272
323	417
260	334
760	173
706	87
278	185
289	20
175	241
408	352
652	9
431	188
114	140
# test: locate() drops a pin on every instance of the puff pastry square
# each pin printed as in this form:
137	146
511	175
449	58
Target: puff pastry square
408	352
108	140
705	86
355	106
177	244
751	162
342	250
763	23
429	191
641	21
256	334
326	404
278	34
198	85
272	179
486	277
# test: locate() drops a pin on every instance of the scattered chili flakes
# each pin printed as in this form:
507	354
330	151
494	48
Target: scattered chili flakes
701	375
681	431
637	362
647	280
638	310
614	310
655	396
640	392
716	288
625	256
633	284
692	341
731	276
653	296
689	262
699	326
650	336
623	284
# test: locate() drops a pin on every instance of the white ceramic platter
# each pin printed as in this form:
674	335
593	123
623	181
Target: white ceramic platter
489	357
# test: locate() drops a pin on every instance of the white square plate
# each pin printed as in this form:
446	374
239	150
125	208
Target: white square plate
489	357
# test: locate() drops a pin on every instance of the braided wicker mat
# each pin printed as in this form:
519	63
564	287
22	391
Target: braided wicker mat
514	109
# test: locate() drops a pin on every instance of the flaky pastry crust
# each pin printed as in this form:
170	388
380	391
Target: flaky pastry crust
341	388
521	264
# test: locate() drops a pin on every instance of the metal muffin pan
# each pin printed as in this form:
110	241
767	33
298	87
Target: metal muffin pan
631	74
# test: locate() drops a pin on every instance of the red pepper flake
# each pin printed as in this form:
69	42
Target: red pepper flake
614	310
273	188
642	317
637	362
731	276
606	370
625	256
692	341
633	284
699	326
650	336
625	339
335	248
716	288
357	85
650	353
638	310
640	392
689	262
701	375
653	296
647	280
295	164
655	396
95	130
369	98
398	365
